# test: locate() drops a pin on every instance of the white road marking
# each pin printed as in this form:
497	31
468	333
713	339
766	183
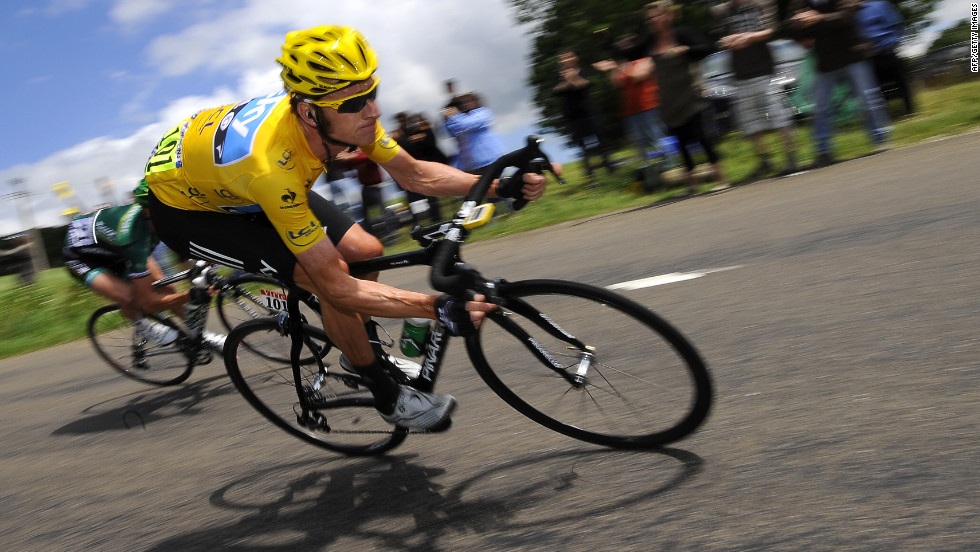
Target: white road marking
671	278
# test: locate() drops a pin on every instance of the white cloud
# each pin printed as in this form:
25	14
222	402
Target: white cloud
420	44
128	12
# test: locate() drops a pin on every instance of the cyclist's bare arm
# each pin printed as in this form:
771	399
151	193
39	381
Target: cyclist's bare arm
150	299
436	179
321	270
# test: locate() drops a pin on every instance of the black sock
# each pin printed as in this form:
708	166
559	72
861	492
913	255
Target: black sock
371	327
384	389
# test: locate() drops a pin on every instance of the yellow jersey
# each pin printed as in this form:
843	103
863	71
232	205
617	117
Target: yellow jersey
247	158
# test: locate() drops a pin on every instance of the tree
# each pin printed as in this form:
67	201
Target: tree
557	25
586	27
953	35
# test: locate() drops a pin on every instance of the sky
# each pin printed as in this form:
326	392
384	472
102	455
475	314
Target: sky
91	85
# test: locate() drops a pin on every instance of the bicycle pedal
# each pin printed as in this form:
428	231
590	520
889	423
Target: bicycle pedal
313	422
350	381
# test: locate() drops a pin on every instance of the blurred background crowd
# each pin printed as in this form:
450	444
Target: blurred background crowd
654	91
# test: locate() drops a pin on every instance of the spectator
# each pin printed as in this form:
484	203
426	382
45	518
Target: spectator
472	126
632	72
841	54
674	51
415	135
455	101
370	178
882	26
760	105
573	89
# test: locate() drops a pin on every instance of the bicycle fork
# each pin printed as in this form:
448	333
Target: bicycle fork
587	357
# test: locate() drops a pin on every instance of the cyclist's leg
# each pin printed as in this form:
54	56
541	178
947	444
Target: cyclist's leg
93	267
242	242
116	290
352	241
251	243
354	244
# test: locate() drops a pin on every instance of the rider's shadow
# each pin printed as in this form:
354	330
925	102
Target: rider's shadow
137	410
396	501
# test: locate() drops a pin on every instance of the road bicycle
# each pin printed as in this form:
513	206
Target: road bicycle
578	359
159	350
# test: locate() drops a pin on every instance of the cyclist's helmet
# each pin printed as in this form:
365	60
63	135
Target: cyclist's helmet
141	194
320	60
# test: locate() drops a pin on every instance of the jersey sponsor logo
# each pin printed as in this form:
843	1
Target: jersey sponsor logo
128	219
195	195
228	196
286	161
235	137
305	236
80	232
179	152
103	229
386	142
289	199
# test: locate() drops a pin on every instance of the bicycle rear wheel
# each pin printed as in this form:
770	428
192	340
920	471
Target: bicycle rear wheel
341	414
248	297
135	355
252	296
644	385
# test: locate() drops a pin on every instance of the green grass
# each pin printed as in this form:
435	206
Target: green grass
55	310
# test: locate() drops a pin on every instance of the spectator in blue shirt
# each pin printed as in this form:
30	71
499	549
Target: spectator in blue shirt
472	126
883	27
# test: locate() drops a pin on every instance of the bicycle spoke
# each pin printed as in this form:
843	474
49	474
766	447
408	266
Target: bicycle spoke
641	384
336	416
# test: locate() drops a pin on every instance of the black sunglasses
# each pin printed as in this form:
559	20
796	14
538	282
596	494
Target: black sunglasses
357	103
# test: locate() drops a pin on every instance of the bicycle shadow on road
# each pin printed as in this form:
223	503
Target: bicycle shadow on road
137	410
394	502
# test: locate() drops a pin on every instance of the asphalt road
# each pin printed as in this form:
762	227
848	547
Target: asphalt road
843	336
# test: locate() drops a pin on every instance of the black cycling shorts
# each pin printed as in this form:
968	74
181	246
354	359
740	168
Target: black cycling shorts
86	262
246	242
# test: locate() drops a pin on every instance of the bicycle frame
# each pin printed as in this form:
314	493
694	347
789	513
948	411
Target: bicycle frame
595	364
451	275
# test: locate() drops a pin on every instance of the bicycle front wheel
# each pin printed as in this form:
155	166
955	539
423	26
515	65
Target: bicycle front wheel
336	411
591	364
154	355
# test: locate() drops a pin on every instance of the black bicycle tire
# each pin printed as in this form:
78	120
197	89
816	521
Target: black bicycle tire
130	371
223	301
700	378
241	333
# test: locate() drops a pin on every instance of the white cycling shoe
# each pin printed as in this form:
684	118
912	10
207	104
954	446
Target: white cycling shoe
415	409
215	341
156	333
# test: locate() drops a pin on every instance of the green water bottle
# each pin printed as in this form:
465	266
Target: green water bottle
415	331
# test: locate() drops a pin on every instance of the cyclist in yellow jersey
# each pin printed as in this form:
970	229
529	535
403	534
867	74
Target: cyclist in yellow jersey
232	184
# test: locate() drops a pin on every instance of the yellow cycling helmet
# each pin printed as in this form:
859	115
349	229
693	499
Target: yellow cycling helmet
320	60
